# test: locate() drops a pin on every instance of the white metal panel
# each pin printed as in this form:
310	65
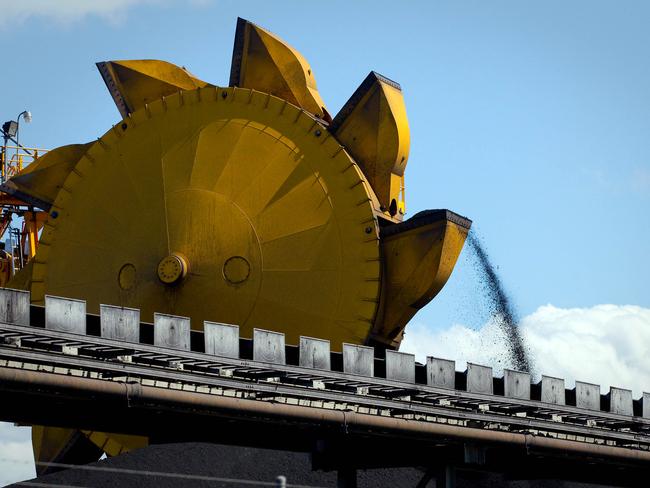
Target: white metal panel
14	306
358	360
645	405
441	373
65	314
620	401
119	323
516	384
171	331
400	366
221	339
314	353
268	346
479	379
553	390
587	395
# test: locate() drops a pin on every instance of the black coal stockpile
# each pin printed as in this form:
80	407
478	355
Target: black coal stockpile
499	304
216	466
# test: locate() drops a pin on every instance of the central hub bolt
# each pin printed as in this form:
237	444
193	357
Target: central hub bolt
173	269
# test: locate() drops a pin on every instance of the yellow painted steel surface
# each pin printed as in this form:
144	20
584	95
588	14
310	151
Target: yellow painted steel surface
220	175
52	444
134	83
42	180
242	205
22	279
116	444
374	128
416	265
263	62
49	443
5	269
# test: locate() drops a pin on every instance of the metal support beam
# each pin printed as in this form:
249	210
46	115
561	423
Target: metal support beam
30	387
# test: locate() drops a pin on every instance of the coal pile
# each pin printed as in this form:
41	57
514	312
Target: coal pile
500	305
203	465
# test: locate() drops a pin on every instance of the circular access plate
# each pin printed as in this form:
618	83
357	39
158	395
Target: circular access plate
272	215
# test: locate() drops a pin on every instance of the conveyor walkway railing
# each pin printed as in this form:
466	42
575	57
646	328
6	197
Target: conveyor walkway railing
165	366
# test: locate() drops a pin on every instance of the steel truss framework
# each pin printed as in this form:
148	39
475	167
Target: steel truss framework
86	381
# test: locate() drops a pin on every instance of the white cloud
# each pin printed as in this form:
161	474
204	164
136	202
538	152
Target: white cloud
606	344
16	458
70	11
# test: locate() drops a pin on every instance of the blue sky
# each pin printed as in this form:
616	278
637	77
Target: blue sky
529	118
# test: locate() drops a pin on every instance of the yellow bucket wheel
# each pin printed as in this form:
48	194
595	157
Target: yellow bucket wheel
222	204
246	204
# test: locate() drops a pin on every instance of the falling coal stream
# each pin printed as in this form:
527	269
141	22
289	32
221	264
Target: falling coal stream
500	306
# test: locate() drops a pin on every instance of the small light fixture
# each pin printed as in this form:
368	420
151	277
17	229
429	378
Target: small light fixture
10	128
26	115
